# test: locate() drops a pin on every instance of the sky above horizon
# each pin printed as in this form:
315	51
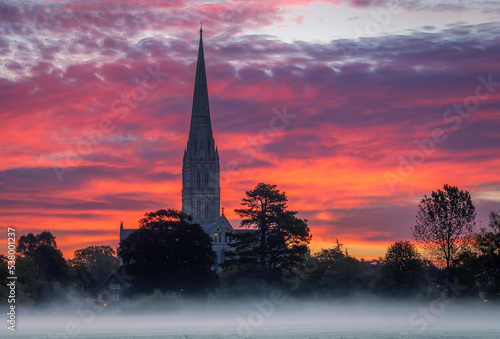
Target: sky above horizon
356	109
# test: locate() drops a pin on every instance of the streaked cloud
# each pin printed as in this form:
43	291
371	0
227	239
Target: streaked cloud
96	99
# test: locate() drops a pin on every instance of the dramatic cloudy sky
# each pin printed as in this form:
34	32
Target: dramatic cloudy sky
356	109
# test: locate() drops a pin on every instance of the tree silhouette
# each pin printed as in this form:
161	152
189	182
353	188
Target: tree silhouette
100	260
488	248
445	223
276	240
326	257
402	272
27	244
169	253
51	264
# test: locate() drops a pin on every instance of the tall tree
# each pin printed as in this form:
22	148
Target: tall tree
402	272
101	261
27	244
51	264
276	239
169	253
41	269
445	223
488	248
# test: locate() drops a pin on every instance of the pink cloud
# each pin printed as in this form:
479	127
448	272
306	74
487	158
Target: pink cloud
355	112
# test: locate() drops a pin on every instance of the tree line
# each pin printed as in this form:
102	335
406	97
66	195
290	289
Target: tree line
170	254
44	276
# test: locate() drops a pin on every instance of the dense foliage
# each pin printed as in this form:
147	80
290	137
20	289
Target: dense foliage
170	254
402	273
275	240
28	243
100	260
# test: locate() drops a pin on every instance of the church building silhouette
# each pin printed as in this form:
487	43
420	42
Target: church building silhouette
201	169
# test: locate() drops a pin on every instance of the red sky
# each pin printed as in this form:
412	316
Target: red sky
355	127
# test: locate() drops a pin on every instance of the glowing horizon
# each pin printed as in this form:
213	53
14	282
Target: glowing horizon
356	109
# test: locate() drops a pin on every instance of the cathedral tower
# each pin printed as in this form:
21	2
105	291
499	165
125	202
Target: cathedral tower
200	166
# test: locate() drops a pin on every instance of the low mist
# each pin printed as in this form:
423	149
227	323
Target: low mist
273	316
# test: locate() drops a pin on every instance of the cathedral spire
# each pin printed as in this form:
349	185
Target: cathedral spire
200	131
201	107
200	170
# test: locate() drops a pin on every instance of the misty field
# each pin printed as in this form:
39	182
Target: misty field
263	319
290	333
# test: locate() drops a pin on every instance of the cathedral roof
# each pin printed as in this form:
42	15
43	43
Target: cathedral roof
222	223
125	232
